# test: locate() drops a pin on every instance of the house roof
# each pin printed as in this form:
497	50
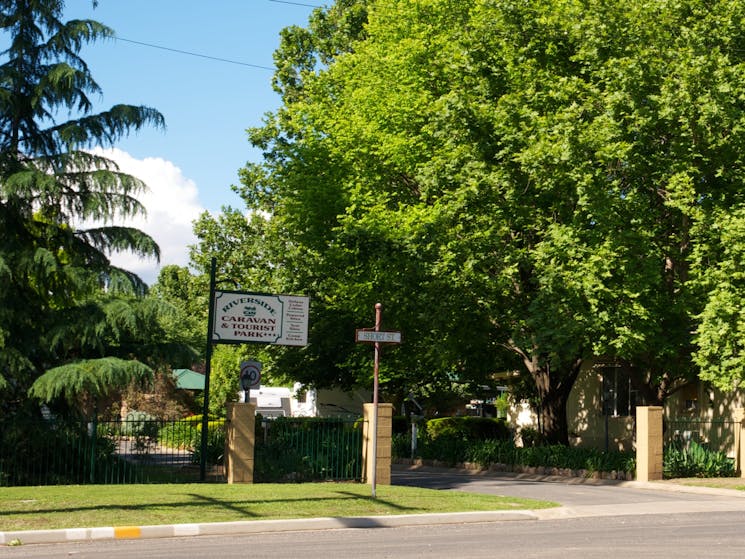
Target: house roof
188	379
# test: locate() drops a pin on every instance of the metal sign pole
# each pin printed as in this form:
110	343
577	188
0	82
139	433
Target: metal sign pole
207	370
376	365
377	338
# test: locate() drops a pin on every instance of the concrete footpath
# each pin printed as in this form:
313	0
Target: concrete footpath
578	498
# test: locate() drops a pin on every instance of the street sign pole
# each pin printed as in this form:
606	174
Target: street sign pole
376	365
377	338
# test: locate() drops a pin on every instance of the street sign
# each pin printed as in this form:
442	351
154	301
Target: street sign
250	375
371	337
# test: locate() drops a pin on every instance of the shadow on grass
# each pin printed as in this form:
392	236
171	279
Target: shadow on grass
378	500
202	502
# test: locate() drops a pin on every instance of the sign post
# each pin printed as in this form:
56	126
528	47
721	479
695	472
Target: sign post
250	378
376	337
238	317
207	371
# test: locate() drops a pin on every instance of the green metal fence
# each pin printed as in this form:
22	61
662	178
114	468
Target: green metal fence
143	449
714	434
140	449
307	449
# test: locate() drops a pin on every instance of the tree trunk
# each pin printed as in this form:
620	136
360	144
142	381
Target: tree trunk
554	384
553	417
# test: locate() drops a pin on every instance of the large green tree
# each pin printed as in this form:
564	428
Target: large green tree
525	185
53	269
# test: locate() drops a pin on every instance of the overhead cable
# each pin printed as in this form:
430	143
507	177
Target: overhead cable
195	54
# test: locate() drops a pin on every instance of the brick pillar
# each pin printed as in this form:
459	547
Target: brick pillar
383	454
648	443
239	442
739	427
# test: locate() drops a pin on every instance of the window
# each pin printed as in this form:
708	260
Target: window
619	396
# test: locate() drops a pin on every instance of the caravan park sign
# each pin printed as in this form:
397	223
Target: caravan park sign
242	317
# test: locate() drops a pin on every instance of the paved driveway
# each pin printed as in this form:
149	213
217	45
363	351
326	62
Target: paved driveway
578	495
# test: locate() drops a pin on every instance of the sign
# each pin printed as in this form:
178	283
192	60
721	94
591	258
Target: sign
371	336
250	375
252	317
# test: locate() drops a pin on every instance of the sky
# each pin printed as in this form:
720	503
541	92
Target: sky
207	104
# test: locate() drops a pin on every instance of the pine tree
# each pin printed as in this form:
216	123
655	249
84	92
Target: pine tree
51	184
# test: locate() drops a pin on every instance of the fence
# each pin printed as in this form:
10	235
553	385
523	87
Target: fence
143	449
717	435
308	449
140	449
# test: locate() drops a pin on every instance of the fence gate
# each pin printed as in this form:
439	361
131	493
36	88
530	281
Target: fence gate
307	449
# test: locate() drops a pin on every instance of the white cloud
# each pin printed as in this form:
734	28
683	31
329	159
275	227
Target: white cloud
172	205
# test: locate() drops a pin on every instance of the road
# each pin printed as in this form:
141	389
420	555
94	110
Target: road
658	536
596	520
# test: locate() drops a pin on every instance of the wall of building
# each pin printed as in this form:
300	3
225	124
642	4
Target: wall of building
588	426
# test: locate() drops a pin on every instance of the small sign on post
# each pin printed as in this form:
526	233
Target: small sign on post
250	378
376	337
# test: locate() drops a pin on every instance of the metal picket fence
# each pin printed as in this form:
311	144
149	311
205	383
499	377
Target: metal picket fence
308	449
139	449
714	434
144	449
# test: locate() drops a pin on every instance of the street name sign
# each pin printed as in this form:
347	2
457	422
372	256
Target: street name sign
372	337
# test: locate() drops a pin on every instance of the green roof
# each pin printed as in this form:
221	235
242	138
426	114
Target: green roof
188	379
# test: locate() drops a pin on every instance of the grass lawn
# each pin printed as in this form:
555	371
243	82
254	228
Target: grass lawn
49	507
716	482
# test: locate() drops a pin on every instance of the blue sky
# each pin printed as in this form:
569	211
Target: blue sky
207	104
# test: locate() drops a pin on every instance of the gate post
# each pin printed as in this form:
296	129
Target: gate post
383	450
739	427
648	443
240	437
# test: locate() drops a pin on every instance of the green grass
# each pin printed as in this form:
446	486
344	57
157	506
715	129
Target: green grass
41	508
735	483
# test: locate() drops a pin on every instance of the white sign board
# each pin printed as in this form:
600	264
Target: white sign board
371	336
253	317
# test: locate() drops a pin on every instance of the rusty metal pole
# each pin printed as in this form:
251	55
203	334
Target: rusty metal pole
376	365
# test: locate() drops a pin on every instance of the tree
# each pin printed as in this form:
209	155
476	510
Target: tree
531	184
50	266
188	295
411	217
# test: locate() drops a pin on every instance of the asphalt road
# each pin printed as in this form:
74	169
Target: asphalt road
685	536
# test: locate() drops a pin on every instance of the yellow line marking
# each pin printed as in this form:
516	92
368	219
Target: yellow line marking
121	532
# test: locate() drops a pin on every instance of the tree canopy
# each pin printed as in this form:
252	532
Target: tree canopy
524	185
65	310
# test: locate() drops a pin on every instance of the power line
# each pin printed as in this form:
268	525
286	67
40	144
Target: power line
294	3
195	54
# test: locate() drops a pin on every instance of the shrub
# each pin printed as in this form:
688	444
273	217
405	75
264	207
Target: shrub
695	460
490	452
41	452
453	449
401	445
532	437
467	428
180	433
215	443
